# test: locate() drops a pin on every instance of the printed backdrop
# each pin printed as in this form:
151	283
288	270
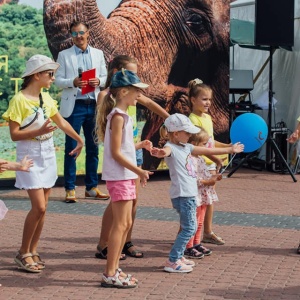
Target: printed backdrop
174	42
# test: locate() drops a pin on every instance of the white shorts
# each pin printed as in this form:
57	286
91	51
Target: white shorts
43	174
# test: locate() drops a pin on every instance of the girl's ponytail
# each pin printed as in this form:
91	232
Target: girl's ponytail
103	111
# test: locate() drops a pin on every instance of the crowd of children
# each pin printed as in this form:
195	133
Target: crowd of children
190	153
30	115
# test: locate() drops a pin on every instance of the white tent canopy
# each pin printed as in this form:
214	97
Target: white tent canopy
286	68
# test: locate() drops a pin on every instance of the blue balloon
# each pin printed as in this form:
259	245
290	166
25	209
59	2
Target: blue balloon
249	129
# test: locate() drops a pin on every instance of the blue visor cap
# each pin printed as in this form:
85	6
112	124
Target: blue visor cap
126	78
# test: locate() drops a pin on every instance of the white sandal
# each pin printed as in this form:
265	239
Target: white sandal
117	281
41	263
125	276
20	260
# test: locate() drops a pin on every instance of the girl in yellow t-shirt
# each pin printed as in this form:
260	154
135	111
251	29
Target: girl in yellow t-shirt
200	96
30	115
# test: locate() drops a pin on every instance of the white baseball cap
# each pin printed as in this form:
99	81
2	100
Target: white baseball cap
180	122
39	63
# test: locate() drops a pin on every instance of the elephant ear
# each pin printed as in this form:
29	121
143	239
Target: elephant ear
60	14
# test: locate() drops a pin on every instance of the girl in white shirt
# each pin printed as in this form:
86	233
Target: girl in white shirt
114	127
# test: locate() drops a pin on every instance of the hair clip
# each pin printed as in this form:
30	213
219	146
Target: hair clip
198	81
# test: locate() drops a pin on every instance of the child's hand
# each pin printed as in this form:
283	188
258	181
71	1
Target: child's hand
146	144
208	182
217	177
293	137
144	176
237	147
157	152
47	127
25	164
3	166
76	151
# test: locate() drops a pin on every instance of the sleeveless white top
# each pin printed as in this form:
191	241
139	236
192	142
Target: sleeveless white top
111	169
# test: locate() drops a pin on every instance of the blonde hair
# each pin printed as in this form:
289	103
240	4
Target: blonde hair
163	132
103	110
199	137
195	87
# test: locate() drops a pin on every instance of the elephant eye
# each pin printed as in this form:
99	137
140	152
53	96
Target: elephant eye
197	21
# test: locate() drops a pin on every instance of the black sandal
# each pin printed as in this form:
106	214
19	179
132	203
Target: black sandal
102	253
298	249
133	253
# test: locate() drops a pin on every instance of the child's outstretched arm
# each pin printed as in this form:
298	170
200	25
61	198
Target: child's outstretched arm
293	137
146	144
24	165
236	148
153	106
161	152
221	145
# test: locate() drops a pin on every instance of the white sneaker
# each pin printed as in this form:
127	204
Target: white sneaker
177	267
187	262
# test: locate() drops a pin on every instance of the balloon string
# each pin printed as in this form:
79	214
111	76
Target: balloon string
228	164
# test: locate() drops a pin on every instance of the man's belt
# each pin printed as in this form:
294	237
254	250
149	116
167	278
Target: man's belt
85	101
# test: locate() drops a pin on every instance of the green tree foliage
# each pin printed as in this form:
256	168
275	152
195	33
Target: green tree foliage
21	36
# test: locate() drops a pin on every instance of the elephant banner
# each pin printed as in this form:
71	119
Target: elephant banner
174	41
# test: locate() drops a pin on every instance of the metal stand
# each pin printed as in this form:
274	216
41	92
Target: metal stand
245	159
270	143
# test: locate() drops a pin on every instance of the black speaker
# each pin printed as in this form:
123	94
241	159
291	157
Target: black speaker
274	22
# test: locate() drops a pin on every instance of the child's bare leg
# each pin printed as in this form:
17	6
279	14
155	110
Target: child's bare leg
32	221
209	236
38	231
106	226
134	209
208	219
121	223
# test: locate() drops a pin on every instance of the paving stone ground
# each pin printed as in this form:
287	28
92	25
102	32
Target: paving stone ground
258	215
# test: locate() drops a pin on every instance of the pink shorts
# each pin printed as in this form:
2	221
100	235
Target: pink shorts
121	190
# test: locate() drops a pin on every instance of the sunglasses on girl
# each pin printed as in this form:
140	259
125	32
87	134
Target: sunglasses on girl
50	73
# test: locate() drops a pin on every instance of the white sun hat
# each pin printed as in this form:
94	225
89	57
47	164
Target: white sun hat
39	63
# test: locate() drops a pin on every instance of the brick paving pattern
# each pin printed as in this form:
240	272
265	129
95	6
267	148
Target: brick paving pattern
258	216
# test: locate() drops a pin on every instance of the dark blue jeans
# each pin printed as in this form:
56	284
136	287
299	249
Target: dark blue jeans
83	116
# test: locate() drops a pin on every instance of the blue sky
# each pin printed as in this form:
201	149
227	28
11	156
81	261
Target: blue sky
106	6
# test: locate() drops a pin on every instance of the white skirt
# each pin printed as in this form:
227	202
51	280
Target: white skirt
43	174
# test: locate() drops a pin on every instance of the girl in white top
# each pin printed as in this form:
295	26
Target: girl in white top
30	115
114	127
177	153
